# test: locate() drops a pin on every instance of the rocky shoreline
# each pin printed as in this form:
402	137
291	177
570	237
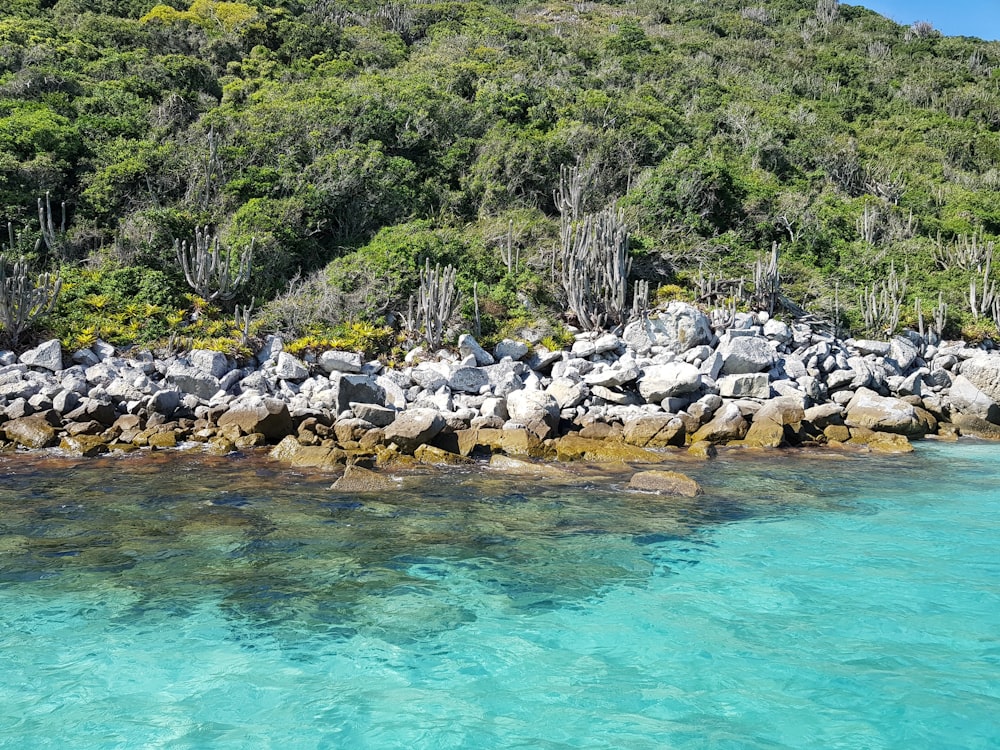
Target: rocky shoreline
669	382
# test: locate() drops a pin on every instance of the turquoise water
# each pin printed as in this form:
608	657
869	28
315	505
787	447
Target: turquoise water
804	601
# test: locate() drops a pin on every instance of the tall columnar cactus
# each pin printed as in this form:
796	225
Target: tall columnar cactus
55	237
23	301
767	282
435	303
881	304
209	269
595	267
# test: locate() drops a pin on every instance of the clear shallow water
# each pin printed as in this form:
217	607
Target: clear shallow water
804	601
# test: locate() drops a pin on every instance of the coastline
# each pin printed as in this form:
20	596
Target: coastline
670	384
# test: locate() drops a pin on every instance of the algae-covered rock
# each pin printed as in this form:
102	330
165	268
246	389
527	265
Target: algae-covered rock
31	432
702	449
521	466
358	479
573	447
666	483
654	431
432	455
290	452
84	445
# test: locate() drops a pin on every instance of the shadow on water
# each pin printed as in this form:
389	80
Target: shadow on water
277	552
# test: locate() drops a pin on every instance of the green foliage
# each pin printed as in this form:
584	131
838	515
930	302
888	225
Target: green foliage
357	139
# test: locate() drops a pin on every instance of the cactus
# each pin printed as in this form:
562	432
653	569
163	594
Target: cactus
767	282
595	268
22	301
55	238
243	316
208	269
434	304
881	303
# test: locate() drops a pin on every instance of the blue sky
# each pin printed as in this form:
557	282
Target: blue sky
958	17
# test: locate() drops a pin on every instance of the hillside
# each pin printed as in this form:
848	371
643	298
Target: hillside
353	141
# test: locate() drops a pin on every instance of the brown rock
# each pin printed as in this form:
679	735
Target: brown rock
165	439
887	442
357	479
572	447
219	446
84	445
253	440
654	431
702	449
431	455
727	425
528	468
289	451
969	424
837	432
522	442
268	416
31	432
665	482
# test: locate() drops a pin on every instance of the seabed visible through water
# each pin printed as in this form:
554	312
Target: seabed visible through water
175	600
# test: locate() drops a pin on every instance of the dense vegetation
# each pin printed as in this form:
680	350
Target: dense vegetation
355	139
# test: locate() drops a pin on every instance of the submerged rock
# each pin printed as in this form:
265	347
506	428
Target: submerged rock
666	483
358	479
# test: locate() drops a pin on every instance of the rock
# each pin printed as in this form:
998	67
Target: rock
567	393
672	379
666	483
187	379
677	328
966	398
267	416
358	479
575	447
351	429
747	385
468	380
516	350
904	352
511	465
878	348
746	354
432	455
164	439
970	424
31	432
334	360
84	445
47	356
702	449
413	428
726	425
984	373
654	431
536	410
85	357
883	413
777	423
467	346
290	368
213	363
380	416
778	331
350	389
289	451
822	415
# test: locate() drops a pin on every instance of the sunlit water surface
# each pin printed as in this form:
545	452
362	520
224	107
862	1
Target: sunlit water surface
805	601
